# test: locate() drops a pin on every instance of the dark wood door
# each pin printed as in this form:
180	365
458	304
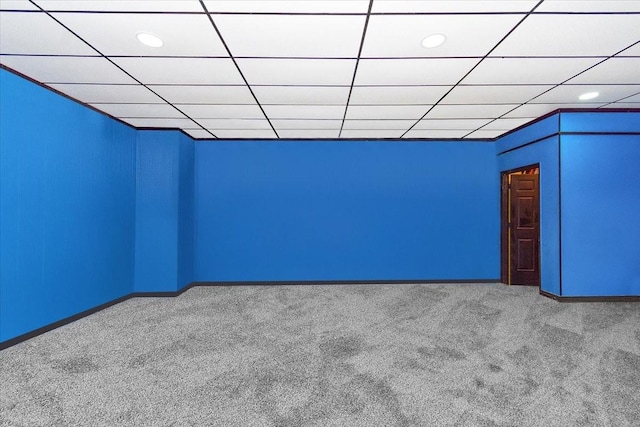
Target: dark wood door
524	247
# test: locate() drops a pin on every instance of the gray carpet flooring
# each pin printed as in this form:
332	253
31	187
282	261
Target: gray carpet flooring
361	355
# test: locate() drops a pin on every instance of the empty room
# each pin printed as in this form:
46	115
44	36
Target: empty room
319	213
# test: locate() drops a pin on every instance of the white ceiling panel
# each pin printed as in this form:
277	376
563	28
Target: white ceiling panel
378	124
571	35
484	133
197	94
222	111
452	6
397	95
292	35
198	133
17	5
469	111
632	51
305	72
614	70
493	94
371	134
122	6
304	111
634	98
589	6
436	133
451	124
297	124
506	124
309	133
385	39
181	71
539	110
288	6
528	70
139	110
152	122
634	105
220	124
410	112
305	95
570	93
57	69
244	133
115	34
109	93
58	40
416	72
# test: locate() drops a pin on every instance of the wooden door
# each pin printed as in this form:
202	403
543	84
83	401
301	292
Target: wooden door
524	226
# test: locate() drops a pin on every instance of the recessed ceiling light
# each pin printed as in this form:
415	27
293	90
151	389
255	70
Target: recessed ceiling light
589	95
149	39
434	40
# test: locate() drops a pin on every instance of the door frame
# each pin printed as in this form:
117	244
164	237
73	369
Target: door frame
504	229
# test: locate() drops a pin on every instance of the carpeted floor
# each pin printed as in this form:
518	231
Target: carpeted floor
361	355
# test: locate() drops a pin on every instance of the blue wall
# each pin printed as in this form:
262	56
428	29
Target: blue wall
530	145
600	205
67	200
164	211
326	210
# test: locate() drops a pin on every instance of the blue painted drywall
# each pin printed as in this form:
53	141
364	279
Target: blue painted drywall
533	132
348	210
600	206
544	152
67	200
164	211
600	122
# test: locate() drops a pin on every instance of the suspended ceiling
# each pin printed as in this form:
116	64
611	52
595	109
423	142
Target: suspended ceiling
329	69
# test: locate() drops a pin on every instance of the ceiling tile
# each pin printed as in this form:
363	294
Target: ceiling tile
304	111
493	94
436	134
383	38
399	112
331	95
385	72
455	6
506	124
539	110
633	98
17	5
57	40
570	35
371	134
139	110
441	111
288	6
451	124
127	6
485	134
238	123
59	69
632	51
273	35
222	111
528	70
109	93
307	72
115	33
632	105
378	124
397	95
589	6
198	133
309	133
244	133
198	94
152	122
283	124
570	93
615	70
181	71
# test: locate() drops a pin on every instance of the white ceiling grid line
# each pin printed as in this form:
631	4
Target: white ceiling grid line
294	61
